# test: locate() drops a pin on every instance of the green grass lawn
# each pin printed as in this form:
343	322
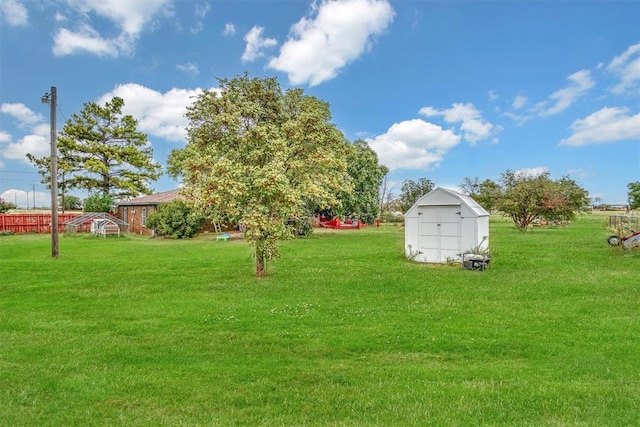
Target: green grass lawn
343	331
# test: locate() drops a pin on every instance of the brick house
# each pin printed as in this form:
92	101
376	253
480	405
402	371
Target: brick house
136	211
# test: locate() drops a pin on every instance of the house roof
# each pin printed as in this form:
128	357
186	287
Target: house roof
153	199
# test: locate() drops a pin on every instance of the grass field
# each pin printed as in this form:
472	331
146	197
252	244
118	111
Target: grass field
343	331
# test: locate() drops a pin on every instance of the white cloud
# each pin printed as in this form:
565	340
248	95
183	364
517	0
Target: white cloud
25	198
158	114
627	67
519	102
37	143
473	126
130	18
229	29
256	44
581	82
86	39
578	173
520	119
319	46
189	68
13	13
22	113
4	137
200	12
604	126
532	172
413	144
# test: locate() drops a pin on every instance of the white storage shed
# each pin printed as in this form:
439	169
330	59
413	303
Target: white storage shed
443	225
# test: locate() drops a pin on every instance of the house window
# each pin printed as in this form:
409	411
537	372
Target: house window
125	215
144	217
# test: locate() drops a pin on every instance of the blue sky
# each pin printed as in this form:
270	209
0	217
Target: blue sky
440	89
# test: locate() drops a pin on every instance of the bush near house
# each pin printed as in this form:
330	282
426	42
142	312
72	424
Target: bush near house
175	220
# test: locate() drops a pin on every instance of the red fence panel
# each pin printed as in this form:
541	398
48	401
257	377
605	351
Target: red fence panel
24	223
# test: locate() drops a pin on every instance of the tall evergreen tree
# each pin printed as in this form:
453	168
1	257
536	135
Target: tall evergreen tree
100	150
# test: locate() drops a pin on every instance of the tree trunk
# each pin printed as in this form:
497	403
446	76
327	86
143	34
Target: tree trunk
260	266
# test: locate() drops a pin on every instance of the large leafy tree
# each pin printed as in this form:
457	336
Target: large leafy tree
634	195
411	191
365	175
260	156
524	198
100	150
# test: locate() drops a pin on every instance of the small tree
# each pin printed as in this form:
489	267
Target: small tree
411	191
634	195
489	194
98	203
386	196
525	198
261	156
5	205
175	220
470	186
70	203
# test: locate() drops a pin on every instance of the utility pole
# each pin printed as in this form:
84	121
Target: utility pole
52	100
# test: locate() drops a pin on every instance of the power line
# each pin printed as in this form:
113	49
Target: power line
60	111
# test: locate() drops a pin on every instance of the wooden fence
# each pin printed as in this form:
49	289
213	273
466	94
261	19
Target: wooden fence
26	223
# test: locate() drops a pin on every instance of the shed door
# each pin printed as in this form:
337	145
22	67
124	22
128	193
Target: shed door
439	232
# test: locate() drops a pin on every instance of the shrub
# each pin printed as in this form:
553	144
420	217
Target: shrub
175	220
302	226
5	205
98	203
392	218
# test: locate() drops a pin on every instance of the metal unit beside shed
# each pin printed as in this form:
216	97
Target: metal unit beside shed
442	225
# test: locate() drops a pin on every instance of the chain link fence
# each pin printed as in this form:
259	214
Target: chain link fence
624	222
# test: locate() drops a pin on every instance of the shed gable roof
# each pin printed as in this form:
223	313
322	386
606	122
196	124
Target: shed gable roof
153	199
443	196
